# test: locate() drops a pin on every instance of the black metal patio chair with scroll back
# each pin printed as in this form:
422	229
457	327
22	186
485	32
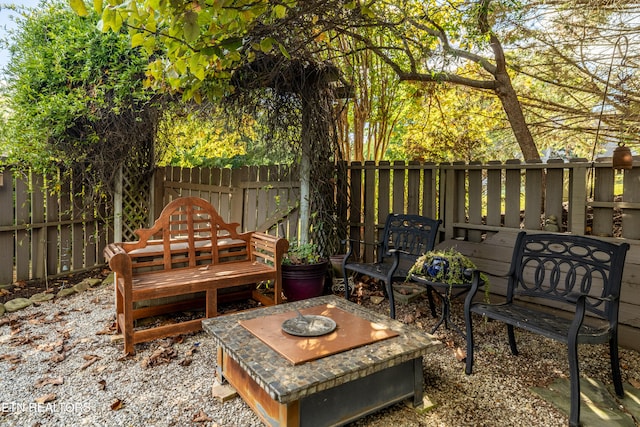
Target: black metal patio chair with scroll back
579	274
405	238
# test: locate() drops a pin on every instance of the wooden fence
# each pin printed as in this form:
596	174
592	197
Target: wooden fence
47	230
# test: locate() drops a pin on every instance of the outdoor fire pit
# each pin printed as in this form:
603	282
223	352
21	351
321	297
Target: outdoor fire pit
367	362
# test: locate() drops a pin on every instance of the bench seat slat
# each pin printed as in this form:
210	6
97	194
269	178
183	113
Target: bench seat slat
177	282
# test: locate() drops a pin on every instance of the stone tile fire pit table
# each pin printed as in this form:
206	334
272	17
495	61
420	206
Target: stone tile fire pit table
370	361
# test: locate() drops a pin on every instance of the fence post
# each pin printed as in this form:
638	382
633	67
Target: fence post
7	254
117	207
577	219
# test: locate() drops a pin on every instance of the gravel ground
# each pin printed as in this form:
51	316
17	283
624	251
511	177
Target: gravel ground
59	365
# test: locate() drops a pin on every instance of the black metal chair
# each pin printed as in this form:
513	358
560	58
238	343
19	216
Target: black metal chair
404	239
580	274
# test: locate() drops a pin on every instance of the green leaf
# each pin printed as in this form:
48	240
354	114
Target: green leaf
266	45
191	28
283	51
79	7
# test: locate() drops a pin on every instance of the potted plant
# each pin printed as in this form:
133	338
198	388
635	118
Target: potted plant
303	272
446	266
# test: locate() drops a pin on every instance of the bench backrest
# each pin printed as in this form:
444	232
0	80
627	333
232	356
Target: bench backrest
557	266
188	232
413	234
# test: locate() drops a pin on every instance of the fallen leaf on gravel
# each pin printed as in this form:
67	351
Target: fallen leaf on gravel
634	382
201	417
186	361
36	321
91	359
117	405
160	356
46	398
44	381
460	354
109	330
4	321
102	385
11	358
58	357
125	357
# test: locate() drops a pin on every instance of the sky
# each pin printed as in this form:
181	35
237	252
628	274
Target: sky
6	23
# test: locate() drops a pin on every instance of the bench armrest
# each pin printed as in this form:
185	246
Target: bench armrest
268	249
119	262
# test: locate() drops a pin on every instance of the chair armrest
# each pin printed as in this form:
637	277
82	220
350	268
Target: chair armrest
348	243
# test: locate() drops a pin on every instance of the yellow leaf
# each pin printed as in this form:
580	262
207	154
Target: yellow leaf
280	11
108	16
79	7
97	5
137	40
181	66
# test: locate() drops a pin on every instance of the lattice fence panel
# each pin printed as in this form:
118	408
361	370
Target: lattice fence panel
136	190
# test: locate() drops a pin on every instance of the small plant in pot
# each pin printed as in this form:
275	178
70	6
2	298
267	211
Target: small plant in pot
446	266
303	272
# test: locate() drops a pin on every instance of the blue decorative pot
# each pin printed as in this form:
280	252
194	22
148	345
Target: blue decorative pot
438	267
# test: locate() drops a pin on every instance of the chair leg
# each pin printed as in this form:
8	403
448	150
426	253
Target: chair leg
574	378
615	365
392	302
469	326
512	340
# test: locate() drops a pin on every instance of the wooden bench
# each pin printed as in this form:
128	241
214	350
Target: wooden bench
580	274
188	252
404	239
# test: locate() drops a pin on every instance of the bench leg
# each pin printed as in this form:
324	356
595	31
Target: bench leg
125	321
574	378
392	302
119	304
212	303
615	365
512	340
469	326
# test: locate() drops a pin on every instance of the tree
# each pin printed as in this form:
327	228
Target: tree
76	96
431	41
451	123
579	61
376	100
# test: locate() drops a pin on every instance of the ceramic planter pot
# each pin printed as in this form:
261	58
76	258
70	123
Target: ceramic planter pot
303	281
